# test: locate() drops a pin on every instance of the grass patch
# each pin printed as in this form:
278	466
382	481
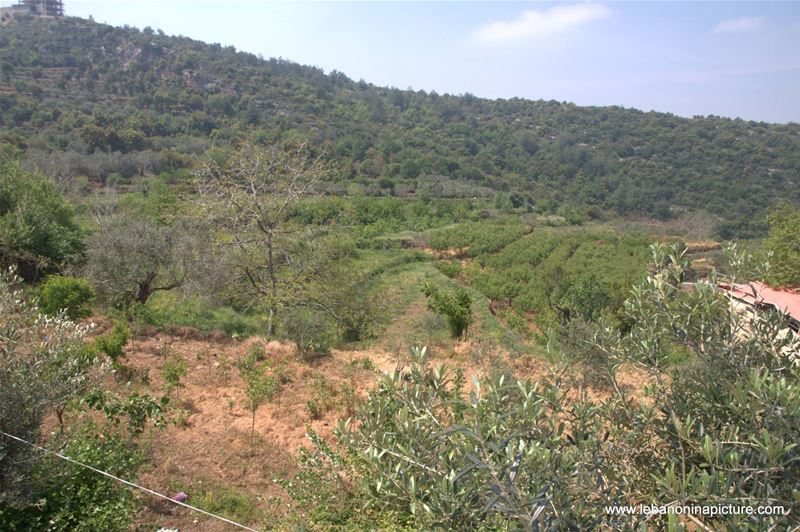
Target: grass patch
229	503
166	308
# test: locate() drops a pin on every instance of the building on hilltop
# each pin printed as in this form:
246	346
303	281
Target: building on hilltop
41	8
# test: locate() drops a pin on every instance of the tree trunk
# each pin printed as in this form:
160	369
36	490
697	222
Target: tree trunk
253	428
273	282
145	289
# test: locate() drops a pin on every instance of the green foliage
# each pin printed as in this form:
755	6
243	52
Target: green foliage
309	331
450	268
327	500
133	256
492	459
174	371
454	304
73	295
260	386
326	397
112	344
172	308
38	231
44	364
783	243
562	275
91	113
70	497
477	238
717	427
137	409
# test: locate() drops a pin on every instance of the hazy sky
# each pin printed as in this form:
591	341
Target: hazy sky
731	59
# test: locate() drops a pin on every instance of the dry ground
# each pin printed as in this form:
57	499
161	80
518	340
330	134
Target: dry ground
209	449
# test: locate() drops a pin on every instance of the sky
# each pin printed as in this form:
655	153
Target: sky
738	59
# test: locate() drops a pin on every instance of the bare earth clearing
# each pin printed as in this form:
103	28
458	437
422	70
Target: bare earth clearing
207	451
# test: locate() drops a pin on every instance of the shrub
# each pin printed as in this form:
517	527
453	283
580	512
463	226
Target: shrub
449	268
174	371
454	305
70	294
70	497
325	398
112	344
308	330
44	363
38	231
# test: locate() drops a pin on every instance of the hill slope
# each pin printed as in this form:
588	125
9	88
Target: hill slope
88	99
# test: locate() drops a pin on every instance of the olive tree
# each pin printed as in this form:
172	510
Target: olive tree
716	421
132	256
44	363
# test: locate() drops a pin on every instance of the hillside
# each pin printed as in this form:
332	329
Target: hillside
87	100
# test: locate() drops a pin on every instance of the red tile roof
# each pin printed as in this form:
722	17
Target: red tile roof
786	300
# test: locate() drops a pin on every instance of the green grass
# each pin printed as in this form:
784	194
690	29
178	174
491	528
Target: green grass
166	308
229	503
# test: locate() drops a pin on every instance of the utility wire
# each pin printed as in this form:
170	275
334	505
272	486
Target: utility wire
128	483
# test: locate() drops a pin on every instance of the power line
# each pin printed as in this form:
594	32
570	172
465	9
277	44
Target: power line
127	483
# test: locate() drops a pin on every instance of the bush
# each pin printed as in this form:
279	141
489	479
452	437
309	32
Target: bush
449	268
38	231
72	295
169	308
454	305
174	371
308	330
70	497
112	344
44	364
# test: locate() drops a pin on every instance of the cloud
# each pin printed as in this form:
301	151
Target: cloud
532	24
733	25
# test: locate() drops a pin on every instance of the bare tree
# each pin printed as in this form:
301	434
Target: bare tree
699	225
249	198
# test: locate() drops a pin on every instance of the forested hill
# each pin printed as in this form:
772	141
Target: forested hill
79	98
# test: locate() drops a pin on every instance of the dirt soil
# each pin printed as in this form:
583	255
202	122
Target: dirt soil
209	447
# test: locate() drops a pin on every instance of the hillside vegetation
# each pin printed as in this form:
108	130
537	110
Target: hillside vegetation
304	303
86	100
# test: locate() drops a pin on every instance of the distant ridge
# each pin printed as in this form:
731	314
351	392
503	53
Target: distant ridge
118	101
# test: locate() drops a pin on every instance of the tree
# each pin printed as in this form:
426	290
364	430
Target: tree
38	231
259	388
44	363
699	225
173	372
335	287
131	256
784	244
112	344
454	304
249	197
